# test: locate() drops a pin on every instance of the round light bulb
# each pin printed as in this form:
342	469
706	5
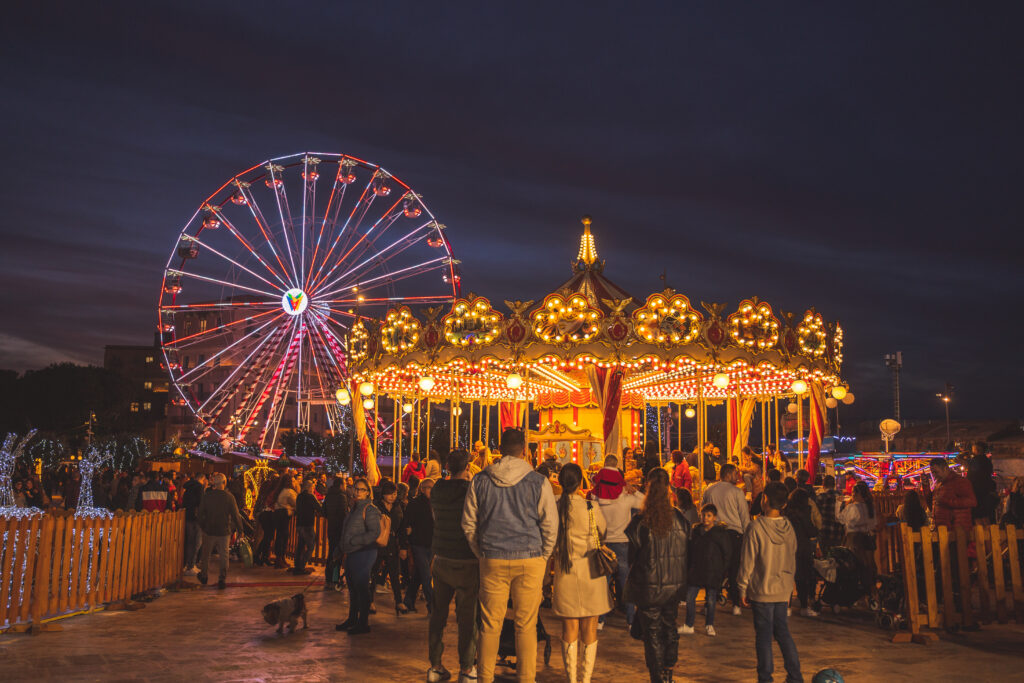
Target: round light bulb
366	388
798	387
514	381
690	412
791	408
721	380
831	402
426	382
368	403
839	392
848	399
456	411
407	408
344	398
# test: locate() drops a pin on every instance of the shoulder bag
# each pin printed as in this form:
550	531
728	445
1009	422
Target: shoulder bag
604	562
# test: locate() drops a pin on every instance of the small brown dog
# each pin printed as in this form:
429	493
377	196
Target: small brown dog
286	610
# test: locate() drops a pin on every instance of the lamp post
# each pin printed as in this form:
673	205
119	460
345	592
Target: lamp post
945	397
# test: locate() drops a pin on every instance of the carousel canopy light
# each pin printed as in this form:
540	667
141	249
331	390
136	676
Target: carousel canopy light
848	399
407	408
799	387
690	412
366	388
457	410
514	381
344	398
426	383
368	403
792	408
831	402
839	392
721	380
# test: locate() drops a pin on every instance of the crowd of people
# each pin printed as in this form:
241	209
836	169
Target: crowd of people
502	534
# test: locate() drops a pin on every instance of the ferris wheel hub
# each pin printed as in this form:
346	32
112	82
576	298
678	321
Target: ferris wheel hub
294	301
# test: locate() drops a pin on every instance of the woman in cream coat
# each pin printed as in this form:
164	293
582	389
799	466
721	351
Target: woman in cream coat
581	595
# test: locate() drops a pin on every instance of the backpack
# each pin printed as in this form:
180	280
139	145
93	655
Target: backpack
385	528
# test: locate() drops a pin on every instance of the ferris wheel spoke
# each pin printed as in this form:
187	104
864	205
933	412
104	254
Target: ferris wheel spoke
221	304
252	250
331	343
238	367
225	283
232	345
262	366
281	386
323	224
264	226
236	264
285	214
389	217
177	345
389	252
341	233
438	263
270	386
255	364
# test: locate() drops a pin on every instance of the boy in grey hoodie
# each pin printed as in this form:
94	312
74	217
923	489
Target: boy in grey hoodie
766	580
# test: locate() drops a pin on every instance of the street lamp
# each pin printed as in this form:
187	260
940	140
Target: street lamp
945	397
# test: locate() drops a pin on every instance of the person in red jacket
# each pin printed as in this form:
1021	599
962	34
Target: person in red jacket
414	469
681	478
953	497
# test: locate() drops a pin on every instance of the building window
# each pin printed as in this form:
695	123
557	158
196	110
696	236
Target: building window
149	359
147	406
134	407
202	325
148	386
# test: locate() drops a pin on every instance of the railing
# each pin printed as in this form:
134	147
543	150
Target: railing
938	573
320	547
56	564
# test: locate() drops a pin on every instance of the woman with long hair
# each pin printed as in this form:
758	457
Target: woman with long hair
359	546
912	512
798	512
284	508
859	519
580	594
657	574
684	502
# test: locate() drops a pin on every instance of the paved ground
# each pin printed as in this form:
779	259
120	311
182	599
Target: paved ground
210	635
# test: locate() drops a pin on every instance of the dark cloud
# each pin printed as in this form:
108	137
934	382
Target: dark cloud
863	159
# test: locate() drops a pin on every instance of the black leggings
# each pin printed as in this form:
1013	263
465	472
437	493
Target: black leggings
661	640
266	519
805	579
281	519
388	568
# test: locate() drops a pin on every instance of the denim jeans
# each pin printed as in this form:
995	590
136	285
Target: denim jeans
304	544
421	558
357	574
621	551
211	544
193	542
770	622
710	600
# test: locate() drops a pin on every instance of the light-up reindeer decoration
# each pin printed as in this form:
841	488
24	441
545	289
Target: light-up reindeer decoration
90	463
10	452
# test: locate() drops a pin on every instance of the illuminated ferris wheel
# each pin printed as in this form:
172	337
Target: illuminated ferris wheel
269	274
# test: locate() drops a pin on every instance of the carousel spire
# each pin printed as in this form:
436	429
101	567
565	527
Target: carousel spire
588	252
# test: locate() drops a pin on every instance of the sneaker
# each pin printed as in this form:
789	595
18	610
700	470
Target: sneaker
808	612
710	630
222	584
467	677
202	578
380	589
437	674
736	610
190	571
600	626
685	630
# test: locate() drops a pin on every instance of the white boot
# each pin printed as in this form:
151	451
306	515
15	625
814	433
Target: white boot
569	659
589	657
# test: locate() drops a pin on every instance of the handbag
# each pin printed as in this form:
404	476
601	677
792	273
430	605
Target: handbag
605	563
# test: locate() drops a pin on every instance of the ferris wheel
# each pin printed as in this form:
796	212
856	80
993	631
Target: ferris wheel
269	274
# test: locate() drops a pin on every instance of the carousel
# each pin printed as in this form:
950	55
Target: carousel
585	365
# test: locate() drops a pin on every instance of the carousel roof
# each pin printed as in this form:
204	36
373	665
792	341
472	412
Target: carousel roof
667	348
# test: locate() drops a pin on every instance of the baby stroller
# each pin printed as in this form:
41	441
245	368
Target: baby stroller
891	602
843	575
507	641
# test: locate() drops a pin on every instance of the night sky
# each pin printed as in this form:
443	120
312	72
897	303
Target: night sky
863	159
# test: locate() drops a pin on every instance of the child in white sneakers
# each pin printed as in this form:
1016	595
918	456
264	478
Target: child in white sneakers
710	549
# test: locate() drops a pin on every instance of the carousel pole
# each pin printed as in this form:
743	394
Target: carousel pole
469	432
799	431
764	422
679	424
376	424
426	451
700	426
396	442
657	408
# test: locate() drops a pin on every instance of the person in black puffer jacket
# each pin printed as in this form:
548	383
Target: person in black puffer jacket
335	507
798	512
657	574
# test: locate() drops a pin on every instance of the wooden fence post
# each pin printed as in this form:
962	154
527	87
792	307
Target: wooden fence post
964	574
25	588
41	591
997	573
7	527
1013	552
946	568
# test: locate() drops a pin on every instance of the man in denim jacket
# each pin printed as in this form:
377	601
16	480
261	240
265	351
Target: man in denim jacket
511	523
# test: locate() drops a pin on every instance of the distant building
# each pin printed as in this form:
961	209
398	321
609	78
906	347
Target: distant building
141	367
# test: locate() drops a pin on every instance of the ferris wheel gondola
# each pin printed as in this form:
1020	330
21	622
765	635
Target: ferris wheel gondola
265	279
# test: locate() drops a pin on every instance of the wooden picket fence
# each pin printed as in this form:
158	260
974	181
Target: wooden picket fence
56	564
320	547
937	572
